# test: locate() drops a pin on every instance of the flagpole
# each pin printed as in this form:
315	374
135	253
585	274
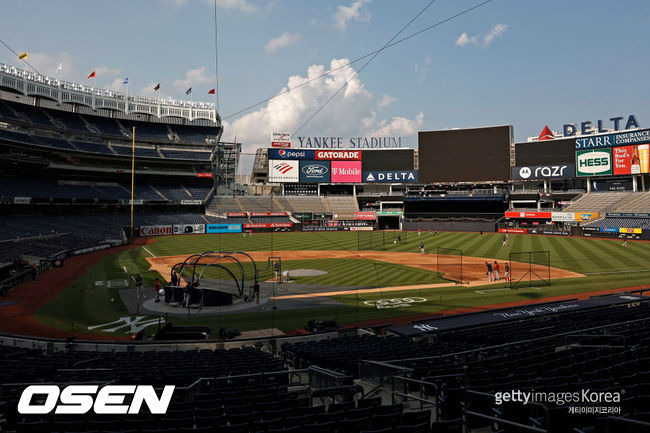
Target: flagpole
132	177
216	59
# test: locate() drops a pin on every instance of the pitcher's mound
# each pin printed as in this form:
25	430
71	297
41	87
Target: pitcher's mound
304	273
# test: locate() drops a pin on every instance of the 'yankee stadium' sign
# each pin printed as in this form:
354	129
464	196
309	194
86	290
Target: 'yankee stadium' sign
399	176
350	143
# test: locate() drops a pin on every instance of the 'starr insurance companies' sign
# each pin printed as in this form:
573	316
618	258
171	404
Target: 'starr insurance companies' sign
350	142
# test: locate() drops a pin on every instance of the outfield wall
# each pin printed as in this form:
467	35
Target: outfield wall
452	226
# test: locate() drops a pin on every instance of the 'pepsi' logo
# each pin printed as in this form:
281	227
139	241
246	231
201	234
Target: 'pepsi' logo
282	152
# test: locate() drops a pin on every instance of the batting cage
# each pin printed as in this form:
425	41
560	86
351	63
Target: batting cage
530	269
449	263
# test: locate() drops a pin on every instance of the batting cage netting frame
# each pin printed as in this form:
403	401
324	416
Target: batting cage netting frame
528	267
450	269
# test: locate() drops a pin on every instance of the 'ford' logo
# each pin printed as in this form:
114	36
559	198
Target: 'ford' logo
313	169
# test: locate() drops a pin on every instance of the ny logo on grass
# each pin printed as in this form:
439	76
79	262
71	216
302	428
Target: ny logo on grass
134	325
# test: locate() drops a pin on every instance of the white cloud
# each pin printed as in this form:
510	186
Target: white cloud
496	31
105	71
349	114
355	11
147	90
463	40
482	40
386	100
284	40
421	71
397	127
116	85
47	64
192	78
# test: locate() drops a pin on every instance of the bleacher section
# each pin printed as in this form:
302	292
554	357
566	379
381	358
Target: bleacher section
11	187
601	202
97	225
467	365
112	128
638	223
244	390
344	206
43	127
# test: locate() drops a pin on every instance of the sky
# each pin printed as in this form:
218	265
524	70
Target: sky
508	62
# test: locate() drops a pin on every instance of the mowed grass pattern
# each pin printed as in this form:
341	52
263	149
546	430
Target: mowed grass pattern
606	264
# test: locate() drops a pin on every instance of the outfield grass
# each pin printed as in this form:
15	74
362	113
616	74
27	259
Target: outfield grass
606	264
340	272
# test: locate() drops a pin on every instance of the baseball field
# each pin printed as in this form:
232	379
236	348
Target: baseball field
359	278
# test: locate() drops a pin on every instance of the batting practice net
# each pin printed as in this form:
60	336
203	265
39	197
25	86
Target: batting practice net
449	263
380	239
530	269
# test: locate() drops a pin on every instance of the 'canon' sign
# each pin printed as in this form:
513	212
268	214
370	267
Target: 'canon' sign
156	230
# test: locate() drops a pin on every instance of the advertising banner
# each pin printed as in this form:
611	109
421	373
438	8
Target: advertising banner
517	231
633	159
236	214
339	154
223	228
594	162
267	225
281	139
283	171
611	140
558	171
22	200
184	229
627	214
563	216
191	202
398	176
609	229
315	171
630	230
586	216
541	215
156	230
346	171
269	214
371	216
361	229
203	174
290	154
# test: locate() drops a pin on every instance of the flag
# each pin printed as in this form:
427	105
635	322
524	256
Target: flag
157	87
23	55
126	81
59	67
211	92
188	91
92	75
